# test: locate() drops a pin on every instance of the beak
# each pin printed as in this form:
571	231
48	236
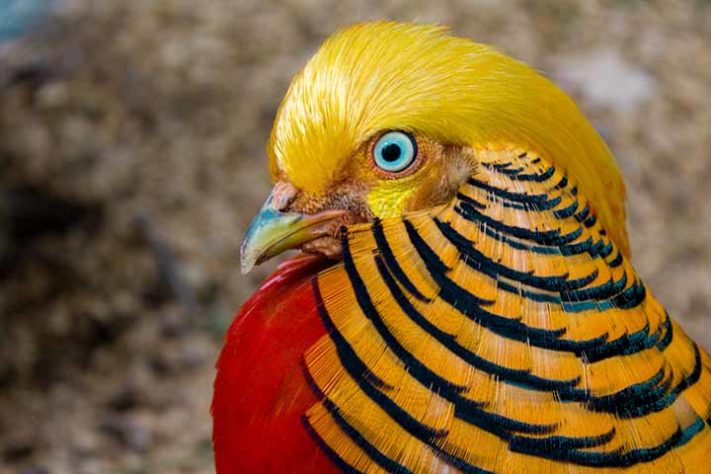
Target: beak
272	231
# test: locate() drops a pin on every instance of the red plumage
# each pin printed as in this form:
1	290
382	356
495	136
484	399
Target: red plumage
260	390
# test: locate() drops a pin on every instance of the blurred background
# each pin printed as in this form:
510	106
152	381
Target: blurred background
132	158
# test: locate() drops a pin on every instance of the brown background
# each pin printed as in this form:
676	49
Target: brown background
131	160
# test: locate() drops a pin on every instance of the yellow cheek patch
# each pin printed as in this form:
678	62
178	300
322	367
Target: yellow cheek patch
389	198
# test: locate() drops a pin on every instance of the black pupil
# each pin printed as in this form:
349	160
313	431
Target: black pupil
391	152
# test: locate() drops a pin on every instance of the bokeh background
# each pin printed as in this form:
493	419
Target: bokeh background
131	161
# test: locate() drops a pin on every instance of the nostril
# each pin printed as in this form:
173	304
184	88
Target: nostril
283	194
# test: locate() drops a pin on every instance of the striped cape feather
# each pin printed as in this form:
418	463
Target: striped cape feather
503	332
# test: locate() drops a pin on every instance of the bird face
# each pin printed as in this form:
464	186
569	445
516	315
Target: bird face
392	173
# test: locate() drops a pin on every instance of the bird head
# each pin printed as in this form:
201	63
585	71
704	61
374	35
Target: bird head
389	118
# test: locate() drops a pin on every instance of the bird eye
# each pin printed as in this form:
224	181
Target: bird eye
395	151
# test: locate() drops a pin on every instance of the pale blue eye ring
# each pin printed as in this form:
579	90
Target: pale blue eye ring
395	151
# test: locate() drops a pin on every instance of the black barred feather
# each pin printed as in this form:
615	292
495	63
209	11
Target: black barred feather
504	332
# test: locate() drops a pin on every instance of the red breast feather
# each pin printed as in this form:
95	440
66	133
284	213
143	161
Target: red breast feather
260	390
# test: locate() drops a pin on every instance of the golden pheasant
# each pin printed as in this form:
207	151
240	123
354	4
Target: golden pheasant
478	311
